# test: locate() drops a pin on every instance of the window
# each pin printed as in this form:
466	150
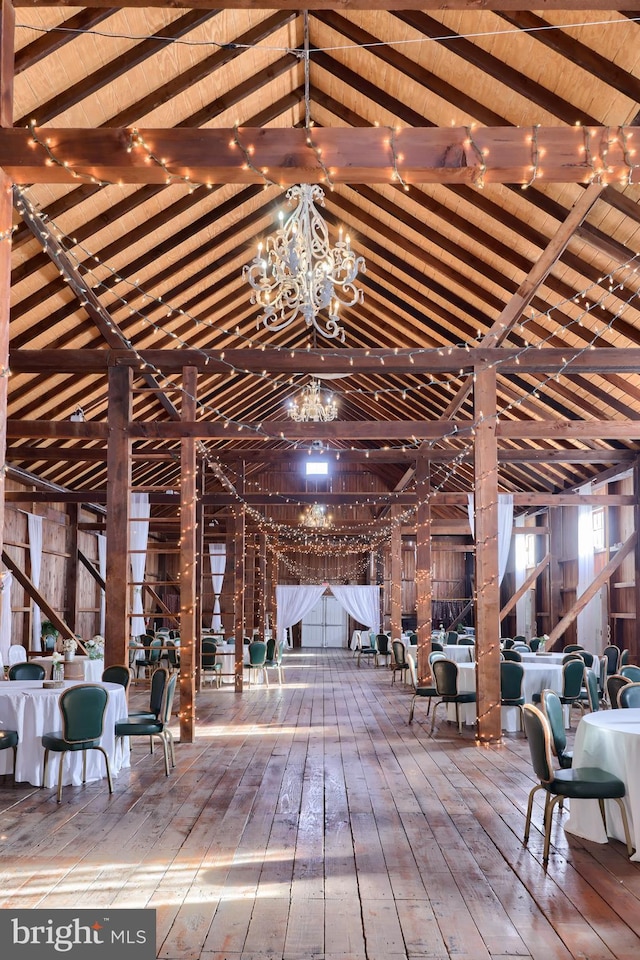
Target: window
597	520
317	468
530	550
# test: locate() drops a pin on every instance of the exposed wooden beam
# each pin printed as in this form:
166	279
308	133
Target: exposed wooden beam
330	4
86	563
528	583
429	155
27	584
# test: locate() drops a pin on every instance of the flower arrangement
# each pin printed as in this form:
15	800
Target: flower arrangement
69	645
56	657
95	647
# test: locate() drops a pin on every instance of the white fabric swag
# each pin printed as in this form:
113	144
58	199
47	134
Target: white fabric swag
6	579
138	538
218	560
294	603
505	526
34	524
102	570
524	607
588	632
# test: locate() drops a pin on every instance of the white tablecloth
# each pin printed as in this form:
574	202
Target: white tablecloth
460	653
92	668
537	677
226	655
609	739
31	710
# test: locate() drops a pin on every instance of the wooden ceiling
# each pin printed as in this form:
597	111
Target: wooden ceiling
524	234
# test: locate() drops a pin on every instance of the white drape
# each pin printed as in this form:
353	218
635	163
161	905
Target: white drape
218	560
587	622
102	570
35	555
6	579
293	603
361	602
505	526
524	606
138	537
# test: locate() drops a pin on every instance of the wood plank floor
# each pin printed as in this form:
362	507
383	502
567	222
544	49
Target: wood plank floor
311	822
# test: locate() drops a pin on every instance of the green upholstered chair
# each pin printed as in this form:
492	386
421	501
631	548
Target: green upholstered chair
511	682
436	646
424	691
582	783
624	658
9	741
513	655
83	709
573	648
519	638
26	671
452	637
399	664
631	672
612	653
367	650
534	644
158	683
382	643
257	660
118	673
173	658
507	643
614	685
274	662
554	713
211	666
629	696
133	726
445	675
589	698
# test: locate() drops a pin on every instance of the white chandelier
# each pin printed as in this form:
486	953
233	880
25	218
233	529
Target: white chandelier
300	273
309	406
317	517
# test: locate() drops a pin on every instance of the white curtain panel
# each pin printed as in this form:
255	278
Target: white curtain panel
102	570
218	560
35	555
293	603
505	527
524	607
6	579
587	623
138	538
360	602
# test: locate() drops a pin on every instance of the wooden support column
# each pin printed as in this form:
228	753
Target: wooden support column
188	550
200	567
423	567
250	585
395	585
555	572
487	587
238	591
7	27
117	626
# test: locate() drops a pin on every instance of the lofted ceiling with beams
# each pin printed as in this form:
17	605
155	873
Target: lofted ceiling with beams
161	264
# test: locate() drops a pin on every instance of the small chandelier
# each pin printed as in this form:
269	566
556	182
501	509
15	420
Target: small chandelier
300	273
309	406
317	517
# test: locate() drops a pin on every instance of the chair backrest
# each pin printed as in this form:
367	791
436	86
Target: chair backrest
209	649
629	696
466	641
572	677
507	643
554	713
587	657
158	684
399	652
612	653
436	655
257	653
591	686
624	658
519	638
536	727
167	700
631	672
614	684
511	680
280	650
412	671
534	643
26	671
521	647
155	651
413	639
382	643
445	675
117	673
513	655
172	656
271	648
436	646
572	656
17	653
573	648
83	708
452	636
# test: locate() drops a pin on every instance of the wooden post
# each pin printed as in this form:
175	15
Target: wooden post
262	584
7	62
238	592
7	26
200	567
487	587
395	587
117	626
423	566
250	584
188	549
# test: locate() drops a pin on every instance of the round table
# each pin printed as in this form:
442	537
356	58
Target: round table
29	708
609	739
90	669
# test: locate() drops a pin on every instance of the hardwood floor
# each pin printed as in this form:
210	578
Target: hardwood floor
311	822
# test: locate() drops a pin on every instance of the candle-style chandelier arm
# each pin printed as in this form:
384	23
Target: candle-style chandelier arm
299	273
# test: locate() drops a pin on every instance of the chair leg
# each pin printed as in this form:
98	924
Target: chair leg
433	717
44	768
412	707
625	824
60	768
84	766
106	761
548	815
15	760
527	823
